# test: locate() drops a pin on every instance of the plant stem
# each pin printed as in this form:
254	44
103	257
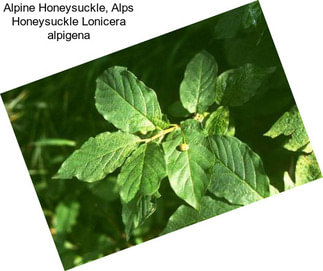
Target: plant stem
161	133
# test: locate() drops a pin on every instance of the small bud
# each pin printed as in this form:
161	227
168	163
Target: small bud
53	231
199	117
143	132
183	147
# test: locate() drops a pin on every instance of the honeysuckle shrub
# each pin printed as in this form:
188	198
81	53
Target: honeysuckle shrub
206	166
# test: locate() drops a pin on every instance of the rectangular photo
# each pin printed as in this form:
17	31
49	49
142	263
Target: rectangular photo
161	135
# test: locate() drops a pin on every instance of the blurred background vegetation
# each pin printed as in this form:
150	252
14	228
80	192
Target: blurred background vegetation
52	117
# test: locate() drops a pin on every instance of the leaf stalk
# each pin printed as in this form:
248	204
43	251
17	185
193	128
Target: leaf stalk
161	133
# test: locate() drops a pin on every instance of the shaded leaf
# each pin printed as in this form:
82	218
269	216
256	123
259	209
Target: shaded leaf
103	245
127	102
187	169
177	110
142	172
290	124
65	216
241	20
135	213
106	189
197	90
185	215
238	174
307	169
237	86
98	156
288	182
218	122
253	18
229	24
182	217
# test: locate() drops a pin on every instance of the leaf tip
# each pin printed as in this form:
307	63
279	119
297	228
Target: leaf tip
269	133
56	176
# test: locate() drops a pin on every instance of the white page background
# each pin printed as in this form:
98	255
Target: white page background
283	232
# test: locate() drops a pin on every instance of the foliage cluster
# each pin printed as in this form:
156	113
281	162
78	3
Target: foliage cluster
199	155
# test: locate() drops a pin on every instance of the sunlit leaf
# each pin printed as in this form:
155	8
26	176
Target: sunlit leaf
136	212
98	156
127	102
238	174
290	124
307	169
66	214
197	90
187	168
142	172
186	215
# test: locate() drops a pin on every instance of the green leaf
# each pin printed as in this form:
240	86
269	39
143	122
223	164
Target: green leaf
231	129
218	122
135	213
197	90
98	156
185	215
288	182
54	142
187	168
307	169
106	189
238	174
100	246
290	124
182	217
238	22
142	172
177	110
65	216
237	86
273	190
127	102
253	18
307	148
229	24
